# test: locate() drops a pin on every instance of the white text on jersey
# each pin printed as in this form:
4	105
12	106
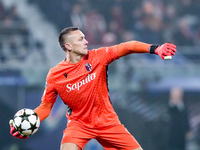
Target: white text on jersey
77	85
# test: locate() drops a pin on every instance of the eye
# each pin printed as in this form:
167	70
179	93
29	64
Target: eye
81	39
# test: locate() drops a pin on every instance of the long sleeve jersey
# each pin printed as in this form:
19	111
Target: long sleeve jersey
83	86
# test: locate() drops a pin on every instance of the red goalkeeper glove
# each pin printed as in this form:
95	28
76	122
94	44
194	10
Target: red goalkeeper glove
15	133
164	50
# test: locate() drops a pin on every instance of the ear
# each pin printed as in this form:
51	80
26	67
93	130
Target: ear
68	46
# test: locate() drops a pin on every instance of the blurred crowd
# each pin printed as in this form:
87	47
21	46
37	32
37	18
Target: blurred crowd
13	35
16	42
105	23
110	22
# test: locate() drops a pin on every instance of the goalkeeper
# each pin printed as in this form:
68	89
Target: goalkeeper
81	82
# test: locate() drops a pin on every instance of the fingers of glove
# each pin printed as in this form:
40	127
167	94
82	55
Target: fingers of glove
15	133
168	50
165	53
12	130
22	137
171	52
170	46
18	135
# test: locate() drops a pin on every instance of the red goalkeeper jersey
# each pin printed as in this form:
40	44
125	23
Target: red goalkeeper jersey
83	87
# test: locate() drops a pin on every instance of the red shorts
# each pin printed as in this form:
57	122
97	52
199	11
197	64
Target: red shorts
111	138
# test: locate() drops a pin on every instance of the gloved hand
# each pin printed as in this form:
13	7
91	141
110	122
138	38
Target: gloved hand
14	132
164	50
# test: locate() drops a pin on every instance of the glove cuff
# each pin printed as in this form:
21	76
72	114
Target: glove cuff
152	49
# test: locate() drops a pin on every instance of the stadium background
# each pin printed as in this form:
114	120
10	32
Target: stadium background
139	84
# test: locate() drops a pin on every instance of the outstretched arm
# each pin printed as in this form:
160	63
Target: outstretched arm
164	50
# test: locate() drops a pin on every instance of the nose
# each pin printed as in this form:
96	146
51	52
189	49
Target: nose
86	42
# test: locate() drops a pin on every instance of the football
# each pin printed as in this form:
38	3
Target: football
26	121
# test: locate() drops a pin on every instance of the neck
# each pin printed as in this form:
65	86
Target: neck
73	59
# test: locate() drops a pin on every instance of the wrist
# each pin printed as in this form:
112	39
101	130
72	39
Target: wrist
152	49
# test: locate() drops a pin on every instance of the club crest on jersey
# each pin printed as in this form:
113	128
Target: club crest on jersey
88	67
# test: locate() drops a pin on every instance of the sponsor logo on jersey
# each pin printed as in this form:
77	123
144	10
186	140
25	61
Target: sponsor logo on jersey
78	85
88	67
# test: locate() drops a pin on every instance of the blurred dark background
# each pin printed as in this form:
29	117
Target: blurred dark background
139	84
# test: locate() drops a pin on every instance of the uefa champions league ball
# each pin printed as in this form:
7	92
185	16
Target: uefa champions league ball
26	122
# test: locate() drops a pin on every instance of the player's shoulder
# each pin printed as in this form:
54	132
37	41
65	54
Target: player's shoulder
98	51
103	52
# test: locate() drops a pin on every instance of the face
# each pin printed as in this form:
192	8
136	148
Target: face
76	43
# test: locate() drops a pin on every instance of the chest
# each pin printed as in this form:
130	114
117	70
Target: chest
77	82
